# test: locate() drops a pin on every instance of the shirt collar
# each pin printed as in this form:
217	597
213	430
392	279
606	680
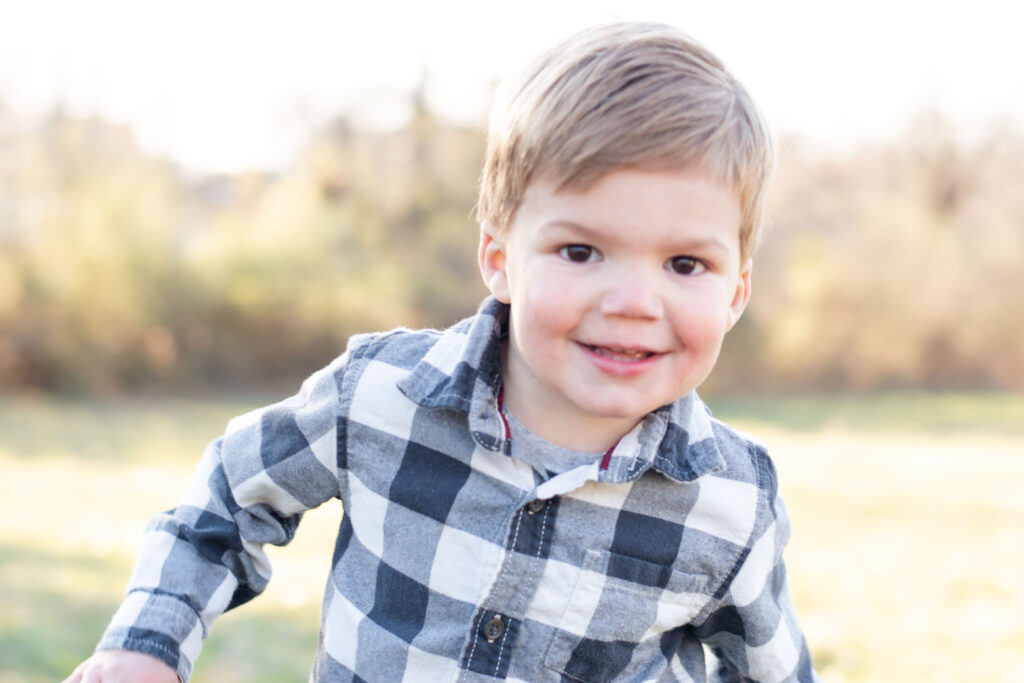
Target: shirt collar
462	371
463	365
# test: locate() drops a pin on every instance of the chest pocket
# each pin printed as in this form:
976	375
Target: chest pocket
618	608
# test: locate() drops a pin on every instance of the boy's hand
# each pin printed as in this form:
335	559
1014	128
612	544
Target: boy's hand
122	666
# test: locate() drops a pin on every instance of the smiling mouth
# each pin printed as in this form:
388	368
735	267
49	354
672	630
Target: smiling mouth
621	355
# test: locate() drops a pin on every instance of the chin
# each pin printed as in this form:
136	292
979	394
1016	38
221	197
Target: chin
622	412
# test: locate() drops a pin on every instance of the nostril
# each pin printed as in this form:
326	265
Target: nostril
632	302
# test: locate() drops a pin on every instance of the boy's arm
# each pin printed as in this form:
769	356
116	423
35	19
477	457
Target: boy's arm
752	629
205	556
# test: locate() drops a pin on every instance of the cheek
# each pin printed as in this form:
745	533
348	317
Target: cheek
551	302
702	327
545	319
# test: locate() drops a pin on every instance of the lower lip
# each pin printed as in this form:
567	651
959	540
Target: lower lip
620	368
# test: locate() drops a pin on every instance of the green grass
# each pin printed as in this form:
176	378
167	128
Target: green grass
125	430
56	604
41	628
904	563
921	413
80	480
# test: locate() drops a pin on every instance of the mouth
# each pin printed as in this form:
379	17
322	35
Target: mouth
622	355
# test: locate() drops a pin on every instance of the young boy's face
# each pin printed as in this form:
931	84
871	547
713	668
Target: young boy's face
620	298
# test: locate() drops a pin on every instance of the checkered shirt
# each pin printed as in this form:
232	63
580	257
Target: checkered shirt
455	560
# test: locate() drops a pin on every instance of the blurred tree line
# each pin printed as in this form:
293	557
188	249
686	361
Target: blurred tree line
895	265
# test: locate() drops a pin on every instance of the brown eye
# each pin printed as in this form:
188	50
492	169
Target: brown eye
577	253
685	265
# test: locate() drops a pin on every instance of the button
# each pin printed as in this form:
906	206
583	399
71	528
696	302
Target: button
535	505
494	629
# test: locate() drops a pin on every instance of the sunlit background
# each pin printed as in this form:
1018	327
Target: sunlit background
231	85
200	201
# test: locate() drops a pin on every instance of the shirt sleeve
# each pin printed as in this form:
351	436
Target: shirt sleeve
752	628
250	488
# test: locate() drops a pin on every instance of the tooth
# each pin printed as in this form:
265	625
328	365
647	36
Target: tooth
621	353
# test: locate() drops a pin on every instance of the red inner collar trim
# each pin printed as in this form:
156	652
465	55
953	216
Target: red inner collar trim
605	459
501	412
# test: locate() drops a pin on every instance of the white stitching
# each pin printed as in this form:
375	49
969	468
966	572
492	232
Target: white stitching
476	633
501	648
515	537
543	527
476	638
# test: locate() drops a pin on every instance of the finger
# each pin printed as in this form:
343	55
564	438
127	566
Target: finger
76	675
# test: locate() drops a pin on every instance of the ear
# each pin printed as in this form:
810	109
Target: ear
741	295
491	257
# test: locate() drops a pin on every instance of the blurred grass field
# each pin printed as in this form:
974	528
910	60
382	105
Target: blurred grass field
905	564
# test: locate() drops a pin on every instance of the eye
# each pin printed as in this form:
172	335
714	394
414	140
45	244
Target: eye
685	265
578	253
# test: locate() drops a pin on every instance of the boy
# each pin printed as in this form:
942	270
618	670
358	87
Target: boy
536	493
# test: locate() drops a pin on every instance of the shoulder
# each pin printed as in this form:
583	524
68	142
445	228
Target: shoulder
400	346
737	483
375	363
750	467
429	367
403	346
745	457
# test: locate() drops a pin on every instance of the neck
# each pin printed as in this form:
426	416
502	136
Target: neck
576	432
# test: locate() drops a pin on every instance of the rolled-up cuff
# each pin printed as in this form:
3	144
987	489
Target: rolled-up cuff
158	625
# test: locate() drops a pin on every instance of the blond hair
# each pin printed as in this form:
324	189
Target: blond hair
635	95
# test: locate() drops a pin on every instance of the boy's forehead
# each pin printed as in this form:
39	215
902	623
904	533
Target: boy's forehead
579	186
579	181
629	198
546	187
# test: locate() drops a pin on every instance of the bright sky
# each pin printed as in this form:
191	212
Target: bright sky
225	84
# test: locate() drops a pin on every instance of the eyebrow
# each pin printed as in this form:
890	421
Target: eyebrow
572	226
683	245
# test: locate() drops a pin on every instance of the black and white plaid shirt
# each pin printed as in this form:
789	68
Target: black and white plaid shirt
456	560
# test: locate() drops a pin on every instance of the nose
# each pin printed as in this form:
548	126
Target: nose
632	293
